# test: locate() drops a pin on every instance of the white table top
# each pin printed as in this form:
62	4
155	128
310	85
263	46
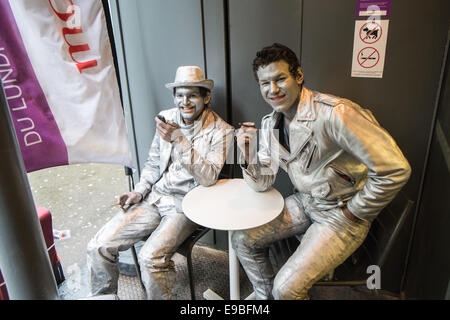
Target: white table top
231	204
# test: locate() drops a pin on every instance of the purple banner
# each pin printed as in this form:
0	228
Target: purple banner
37	132
373	8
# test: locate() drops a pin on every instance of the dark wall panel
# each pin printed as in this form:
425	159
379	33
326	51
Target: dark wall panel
428	274
159	36
215	53
255	24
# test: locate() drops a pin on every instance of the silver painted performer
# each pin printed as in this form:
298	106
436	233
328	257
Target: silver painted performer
344	166
189	148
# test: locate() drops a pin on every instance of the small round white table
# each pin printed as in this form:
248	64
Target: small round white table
230	205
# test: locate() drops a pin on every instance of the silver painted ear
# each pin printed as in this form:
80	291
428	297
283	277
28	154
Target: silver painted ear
207	98
300	76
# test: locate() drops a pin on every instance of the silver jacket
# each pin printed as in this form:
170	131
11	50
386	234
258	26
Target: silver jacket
339	154
203	157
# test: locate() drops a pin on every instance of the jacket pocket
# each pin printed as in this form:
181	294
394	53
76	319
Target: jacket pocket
342	177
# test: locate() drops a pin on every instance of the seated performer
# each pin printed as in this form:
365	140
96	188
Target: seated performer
189	149
345	167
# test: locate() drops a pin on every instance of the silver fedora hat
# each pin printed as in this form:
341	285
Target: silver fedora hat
190	76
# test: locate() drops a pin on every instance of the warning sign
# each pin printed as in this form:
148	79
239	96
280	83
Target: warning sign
369	48
368	57
370	32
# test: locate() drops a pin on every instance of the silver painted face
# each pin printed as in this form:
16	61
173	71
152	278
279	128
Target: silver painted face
190	102
278	87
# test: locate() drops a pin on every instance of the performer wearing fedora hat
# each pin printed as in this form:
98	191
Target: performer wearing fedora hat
189	149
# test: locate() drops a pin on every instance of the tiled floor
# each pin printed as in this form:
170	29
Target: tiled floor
210	266
210	272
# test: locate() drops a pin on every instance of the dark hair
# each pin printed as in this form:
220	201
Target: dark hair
274	53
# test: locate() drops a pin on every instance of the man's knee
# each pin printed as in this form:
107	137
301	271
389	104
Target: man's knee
287	290
242	238
155	258
92	247
104	251
281	292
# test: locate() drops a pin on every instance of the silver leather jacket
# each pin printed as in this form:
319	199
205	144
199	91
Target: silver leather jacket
339	155
203	156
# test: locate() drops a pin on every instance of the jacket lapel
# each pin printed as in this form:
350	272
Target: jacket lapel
207	124
299	137
299	130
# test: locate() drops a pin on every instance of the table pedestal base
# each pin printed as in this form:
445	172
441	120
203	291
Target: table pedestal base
231	205
234	275
234	270
211	295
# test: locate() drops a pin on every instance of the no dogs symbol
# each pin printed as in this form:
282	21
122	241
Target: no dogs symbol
368	57
370	32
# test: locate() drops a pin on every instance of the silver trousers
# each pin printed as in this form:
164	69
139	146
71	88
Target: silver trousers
166	228
329	238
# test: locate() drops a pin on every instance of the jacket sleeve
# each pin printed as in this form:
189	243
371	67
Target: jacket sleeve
356	131
206	169
150	173
261	176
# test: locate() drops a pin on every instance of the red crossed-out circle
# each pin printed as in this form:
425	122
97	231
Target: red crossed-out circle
364	36
372	55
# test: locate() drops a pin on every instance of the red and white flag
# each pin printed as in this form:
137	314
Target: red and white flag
59	79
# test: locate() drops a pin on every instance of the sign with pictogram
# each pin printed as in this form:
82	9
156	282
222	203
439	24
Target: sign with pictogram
369	48
368	57
370	32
